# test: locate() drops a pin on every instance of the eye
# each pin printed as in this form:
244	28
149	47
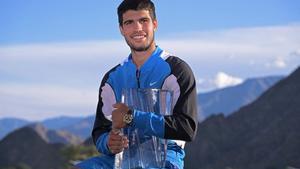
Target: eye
128	22
144	20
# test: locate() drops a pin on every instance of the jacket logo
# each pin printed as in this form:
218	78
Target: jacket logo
152	83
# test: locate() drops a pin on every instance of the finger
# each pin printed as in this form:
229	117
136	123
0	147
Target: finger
115	137
117	105
116	147
117	150
120	106
125	142
116	131
116	141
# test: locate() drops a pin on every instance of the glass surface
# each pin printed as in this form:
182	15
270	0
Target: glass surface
144	151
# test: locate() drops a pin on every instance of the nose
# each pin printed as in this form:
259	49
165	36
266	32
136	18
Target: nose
138	26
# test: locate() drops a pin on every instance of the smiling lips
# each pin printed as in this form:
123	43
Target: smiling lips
138	36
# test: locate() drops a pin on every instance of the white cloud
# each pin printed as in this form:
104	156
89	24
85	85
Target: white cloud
52	77
280	63
259	44
36	102
64	51
245	52
224	80
219	81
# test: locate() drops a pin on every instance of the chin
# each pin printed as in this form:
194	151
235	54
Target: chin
140	49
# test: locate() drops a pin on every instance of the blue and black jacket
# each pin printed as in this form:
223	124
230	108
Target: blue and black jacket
161	71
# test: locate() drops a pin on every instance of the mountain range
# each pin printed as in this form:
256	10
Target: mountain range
225	100
230	99
55	136
27	146
82	128
35	147
261	135
10	124
61	122
79	126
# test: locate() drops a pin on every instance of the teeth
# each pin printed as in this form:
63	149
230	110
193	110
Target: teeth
138	37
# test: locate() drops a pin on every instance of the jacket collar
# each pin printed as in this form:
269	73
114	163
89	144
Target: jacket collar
151	61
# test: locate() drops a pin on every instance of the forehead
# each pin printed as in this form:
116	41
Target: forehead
134	15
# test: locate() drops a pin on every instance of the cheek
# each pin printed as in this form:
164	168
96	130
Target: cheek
150	29
128	32
125	31
125	34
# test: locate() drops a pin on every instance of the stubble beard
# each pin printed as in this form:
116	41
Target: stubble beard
140	48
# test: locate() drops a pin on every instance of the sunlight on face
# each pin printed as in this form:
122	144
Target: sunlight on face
138	29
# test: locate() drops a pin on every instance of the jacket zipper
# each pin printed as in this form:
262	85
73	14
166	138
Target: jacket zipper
137	73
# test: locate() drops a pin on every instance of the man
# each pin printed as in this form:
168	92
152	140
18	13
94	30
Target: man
148	66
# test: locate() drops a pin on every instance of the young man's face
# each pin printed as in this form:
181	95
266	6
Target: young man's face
138	29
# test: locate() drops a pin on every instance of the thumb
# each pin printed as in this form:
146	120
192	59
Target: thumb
117	105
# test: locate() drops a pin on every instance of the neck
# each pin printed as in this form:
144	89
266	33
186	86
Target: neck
140	57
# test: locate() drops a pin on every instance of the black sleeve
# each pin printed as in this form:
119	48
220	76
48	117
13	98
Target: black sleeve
182	125
101	124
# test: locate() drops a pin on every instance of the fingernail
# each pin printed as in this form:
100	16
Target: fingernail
116	131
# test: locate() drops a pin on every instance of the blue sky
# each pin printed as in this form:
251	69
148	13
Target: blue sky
54	53
68	20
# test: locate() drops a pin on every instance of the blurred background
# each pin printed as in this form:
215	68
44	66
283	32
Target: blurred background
53	55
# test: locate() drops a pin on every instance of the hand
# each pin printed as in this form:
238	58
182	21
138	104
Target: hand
116	142
118	115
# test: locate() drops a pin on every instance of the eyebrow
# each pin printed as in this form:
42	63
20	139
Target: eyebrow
128	20
131	20
144	18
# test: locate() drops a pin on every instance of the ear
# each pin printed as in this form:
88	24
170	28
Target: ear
155	24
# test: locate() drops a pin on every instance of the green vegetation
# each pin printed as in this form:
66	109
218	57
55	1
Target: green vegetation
78	153
17	166
69	153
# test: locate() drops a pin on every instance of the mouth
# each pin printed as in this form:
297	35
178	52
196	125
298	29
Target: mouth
138	36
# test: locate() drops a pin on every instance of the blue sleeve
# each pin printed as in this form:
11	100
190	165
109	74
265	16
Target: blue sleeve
101	144
150	123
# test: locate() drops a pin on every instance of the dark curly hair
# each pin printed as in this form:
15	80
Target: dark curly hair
136	5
